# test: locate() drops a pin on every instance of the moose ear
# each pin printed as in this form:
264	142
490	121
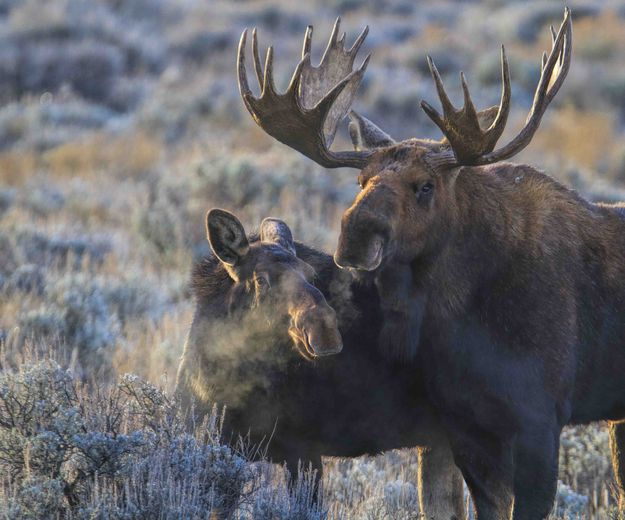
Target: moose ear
276	231
366	135
226	236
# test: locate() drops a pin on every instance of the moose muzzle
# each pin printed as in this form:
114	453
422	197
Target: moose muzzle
314	326
365	257
366	229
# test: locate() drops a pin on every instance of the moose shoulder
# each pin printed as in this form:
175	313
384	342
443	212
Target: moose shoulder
248	348
519	283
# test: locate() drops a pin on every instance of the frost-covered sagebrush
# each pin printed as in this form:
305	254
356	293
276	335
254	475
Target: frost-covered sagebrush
117	453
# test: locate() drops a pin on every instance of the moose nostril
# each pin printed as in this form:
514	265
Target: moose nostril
323	337
366	256
340	262
327	350
332	340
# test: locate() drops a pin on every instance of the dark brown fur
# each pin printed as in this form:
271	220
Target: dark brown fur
520	284
346	405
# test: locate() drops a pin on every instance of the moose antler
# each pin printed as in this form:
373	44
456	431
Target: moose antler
306	116
473	146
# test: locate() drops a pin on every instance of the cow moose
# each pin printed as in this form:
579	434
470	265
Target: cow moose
515	283
250	348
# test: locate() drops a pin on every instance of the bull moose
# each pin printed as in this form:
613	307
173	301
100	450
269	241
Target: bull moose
514	283
252	346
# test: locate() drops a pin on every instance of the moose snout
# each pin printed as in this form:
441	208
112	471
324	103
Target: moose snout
318	329
364	233
365	256
325	339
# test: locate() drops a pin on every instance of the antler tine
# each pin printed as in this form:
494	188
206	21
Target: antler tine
334	43
244	87
433	114
258	68
306	115
359	41
269	87
499	124
335	32
448	107
469	107
293	87
307	41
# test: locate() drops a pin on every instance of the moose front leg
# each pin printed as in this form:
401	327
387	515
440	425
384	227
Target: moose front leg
441	494
487	467
536	473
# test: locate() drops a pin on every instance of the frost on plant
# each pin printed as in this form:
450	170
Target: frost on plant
70	452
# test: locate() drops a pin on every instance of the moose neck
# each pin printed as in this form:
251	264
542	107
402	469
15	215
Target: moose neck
493	221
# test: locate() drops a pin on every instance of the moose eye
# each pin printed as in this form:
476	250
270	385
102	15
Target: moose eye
427	187
263	282
424	188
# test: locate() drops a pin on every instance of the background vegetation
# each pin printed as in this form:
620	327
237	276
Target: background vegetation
121	124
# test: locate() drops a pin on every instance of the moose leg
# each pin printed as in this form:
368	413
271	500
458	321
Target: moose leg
487	468
617	446
441	494
536	474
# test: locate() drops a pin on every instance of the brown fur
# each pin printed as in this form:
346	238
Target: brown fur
520	286
346	405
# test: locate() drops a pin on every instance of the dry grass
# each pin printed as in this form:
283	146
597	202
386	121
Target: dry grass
17	166
122	156
152	349
582	137
600	37
97	154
